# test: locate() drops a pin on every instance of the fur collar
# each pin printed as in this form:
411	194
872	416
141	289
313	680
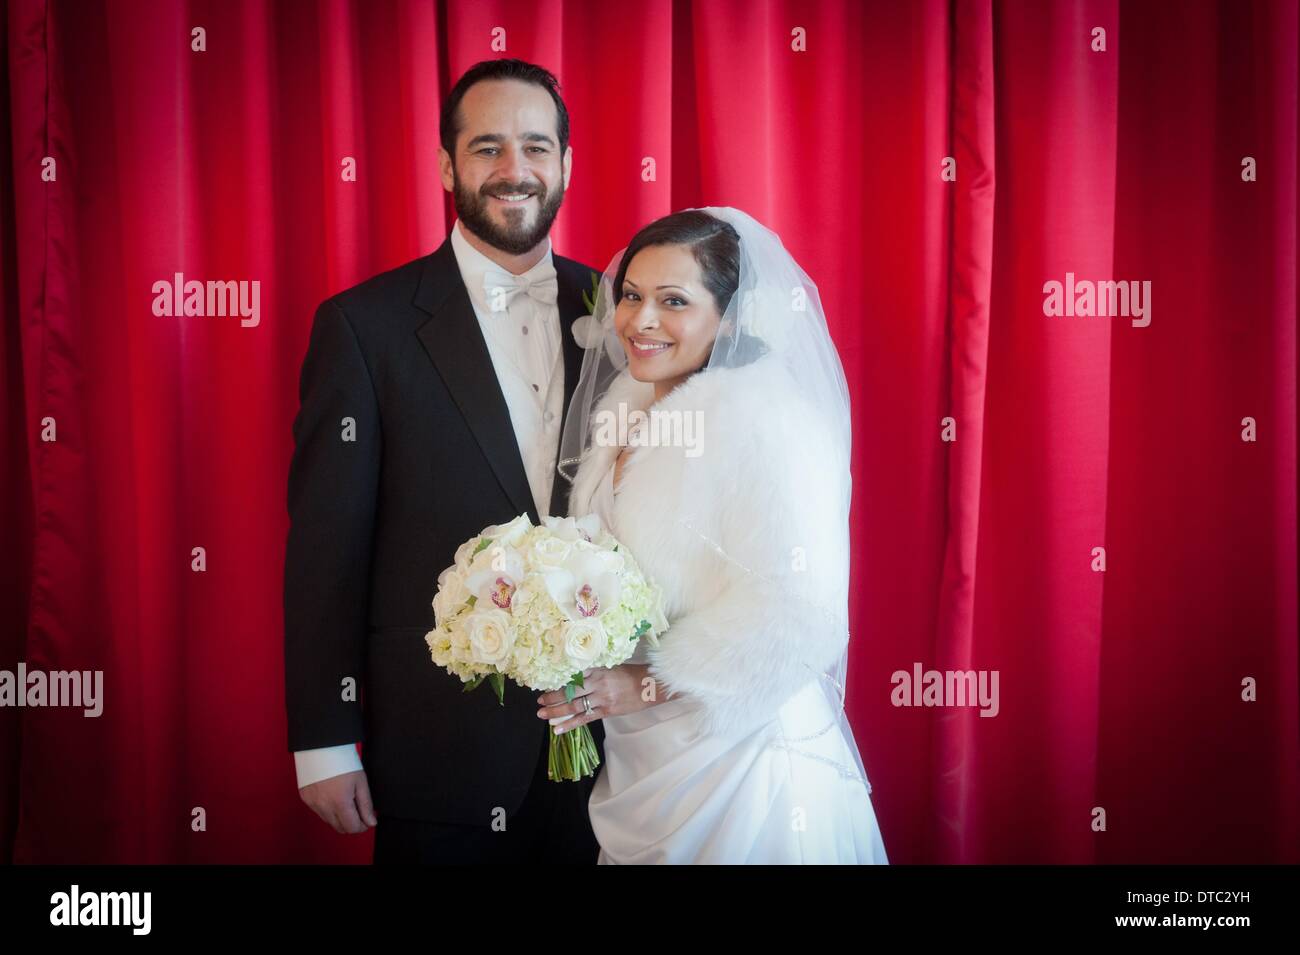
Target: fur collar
718	392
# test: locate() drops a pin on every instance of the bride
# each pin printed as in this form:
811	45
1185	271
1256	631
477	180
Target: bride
710	432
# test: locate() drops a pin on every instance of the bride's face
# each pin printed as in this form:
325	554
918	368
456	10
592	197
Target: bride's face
667	320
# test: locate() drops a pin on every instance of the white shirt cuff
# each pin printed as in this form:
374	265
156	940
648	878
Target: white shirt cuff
313	765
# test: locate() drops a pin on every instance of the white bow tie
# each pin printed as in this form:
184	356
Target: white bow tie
502	287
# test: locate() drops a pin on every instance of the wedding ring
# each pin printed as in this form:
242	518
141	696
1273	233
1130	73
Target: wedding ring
586	705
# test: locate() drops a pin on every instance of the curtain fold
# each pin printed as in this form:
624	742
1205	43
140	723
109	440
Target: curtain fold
971	262
1064	500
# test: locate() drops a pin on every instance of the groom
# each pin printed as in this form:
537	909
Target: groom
432	403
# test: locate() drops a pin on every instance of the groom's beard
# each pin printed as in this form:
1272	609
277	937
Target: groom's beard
515	239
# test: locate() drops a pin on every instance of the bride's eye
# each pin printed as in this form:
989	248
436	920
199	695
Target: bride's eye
674	300
631	295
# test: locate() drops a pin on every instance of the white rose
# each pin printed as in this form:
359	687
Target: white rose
478	564
508	535
465	553
584	641
451	596
490	638
548	553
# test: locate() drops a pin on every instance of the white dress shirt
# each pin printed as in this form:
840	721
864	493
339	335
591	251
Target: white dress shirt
523	340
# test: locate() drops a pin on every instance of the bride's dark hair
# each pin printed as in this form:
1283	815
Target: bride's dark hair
716	247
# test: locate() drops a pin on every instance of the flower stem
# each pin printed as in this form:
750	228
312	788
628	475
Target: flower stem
572	755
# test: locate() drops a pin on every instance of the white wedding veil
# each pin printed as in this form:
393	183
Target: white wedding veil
776	316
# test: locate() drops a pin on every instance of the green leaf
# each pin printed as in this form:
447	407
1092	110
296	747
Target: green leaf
575	684
483	544
590	300
498	682
473	599
474	683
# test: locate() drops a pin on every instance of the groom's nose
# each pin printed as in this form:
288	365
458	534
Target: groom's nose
513	165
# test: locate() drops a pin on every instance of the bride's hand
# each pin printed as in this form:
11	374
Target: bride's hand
615	692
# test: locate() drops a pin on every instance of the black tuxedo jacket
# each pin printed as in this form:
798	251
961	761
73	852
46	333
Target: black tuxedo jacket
375	519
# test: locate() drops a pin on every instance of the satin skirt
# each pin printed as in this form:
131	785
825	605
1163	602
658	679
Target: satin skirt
667	794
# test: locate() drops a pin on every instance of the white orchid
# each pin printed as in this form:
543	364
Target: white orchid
496	583
587	585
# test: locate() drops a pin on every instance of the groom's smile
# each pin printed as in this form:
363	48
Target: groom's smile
513	200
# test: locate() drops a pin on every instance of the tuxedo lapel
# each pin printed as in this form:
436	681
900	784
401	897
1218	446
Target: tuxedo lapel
454	342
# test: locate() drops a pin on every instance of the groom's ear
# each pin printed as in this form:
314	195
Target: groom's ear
445	170
567	162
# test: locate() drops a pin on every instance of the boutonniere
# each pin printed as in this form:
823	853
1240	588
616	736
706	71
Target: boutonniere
586	330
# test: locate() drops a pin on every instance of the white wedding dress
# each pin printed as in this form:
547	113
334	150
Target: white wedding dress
666	794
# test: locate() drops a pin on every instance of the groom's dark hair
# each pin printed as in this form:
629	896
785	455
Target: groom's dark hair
521	70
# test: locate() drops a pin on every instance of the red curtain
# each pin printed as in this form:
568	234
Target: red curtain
996	447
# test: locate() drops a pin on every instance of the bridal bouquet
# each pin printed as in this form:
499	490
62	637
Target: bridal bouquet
539	605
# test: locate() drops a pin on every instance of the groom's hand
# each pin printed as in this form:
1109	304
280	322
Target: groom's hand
342	801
